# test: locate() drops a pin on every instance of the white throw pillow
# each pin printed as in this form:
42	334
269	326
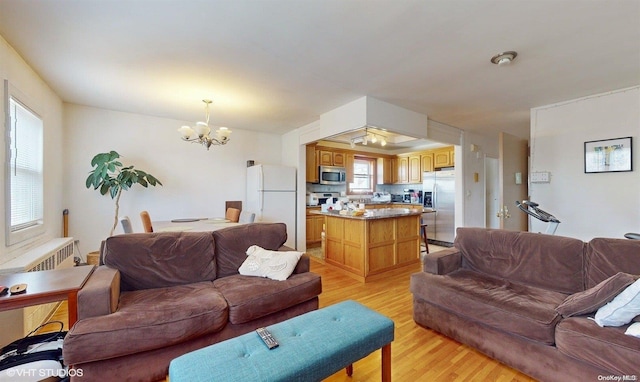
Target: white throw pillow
622	309
276	265
633	330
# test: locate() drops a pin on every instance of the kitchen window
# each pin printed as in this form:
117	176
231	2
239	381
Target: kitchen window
363	176
24	168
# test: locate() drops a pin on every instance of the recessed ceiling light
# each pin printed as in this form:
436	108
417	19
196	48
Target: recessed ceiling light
504	58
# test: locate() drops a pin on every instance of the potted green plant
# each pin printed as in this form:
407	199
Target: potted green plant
110	176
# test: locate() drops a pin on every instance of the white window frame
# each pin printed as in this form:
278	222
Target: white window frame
371	176
13	236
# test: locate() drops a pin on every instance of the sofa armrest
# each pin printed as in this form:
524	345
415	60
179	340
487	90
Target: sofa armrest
303	264
100	294
442	262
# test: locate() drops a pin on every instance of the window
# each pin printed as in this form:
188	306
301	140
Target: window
363	176
24	170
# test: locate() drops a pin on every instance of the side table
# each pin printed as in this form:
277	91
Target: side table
47	286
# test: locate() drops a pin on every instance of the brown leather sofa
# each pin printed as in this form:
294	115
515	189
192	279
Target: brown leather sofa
160	295
500	292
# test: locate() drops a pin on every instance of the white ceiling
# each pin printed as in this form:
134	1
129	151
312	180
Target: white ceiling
275	65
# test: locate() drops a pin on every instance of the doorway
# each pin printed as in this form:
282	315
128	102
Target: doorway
492	193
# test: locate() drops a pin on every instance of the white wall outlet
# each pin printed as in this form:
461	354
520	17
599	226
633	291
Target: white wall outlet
541	177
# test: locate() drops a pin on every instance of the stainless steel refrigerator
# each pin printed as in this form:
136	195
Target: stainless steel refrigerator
438	192
271	195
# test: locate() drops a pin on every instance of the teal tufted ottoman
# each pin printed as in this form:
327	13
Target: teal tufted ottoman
313	346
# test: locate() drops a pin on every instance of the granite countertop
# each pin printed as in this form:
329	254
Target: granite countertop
380	213
396	204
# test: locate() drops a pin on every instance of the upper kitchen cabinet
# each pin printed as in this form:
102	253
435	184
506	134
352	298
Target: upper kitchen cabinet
312	164
403	169
426	161
349	160
443	157
415	172
410	168
387	171
331	158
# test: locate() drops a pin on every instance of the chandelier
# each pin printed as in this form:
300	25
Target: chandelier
368	137
200	132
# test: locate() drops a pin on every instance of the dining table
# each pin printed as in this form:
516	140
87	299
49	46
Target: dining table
193	225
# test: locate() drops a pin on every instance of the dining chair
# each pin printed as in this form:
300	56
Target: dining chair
146	221
423	228
232	214
126	225
246	217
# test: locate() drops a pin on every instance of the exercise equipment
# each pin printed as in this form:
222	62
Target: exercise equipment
532	209
632	236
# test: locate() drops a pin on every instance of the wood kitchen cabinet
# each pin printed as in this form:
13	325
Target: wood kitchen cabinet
312	164
349	160
426	162
331	158
415	173
314	225
443	157
365	249
403	169
386	171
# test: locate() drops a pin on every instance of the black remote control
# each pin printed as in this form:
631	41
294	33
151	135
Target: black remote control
267	337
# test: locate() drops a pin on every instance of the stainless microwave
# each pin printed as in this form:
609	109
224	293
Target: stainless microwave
332	175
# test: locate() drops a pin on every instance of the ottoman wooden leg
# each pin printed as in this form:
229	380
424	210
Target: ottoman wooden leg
350	370
386	363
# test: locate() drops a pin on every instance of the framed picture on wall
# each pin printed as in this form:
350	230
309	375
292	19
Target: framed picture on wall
608	155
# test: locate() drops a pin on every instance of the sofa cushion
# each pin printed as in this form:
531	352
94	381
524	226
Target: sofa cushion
251	297
581	338
515	308
148	319
545	261
590	300
605	257
232	243
157	260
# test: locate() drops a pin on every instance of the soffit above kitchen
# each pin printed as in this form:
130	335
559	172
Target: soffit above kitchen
375	126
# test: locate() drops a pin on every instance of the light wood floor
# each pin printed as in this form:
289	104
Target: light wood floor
417	354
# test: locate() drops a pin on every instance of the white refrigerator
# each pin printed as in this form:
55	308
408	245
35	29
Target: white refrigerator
271	195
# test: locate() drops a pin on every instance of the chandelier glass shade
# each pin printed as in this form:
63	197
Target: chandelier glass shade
200	132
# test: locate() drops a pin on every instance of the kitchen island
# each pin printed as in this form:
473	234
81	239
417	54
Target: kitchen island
380	240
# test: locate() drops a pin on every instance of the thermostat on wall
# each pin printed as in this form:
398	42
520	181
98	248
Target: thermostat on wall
540	177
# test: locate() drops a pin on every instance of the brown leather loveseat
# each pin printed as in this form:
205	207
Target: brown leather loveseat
161	295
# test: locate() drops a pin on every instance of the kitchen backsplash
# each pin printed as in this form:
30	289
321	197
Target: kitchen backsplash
390	188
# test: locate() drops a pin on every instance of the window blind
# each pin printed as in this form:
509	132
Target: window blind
26	167
362	176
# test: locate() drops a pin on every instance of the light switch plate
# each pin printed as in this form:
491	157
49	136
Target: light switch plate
540	177
518	178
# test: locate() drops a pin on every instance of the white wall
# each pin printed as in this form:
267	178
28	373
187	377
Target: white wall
49	105
588	205
196	182
473	195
